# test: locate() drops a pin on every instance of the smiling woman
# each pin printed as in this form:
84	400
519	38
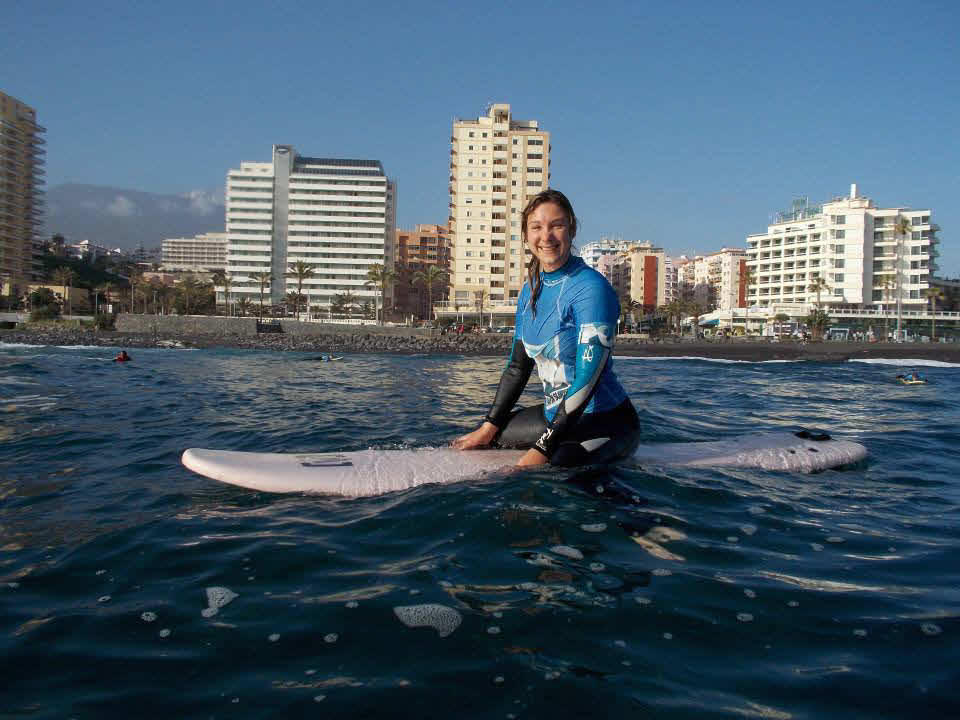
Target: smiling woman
565	325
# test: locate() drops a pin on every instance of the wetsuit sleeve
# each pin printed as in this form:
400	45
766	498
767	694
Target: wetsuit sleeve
512	382
595	314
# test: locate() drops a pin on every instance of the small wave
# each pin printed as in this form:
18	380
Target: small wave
839	587
904	361
704	359
19	345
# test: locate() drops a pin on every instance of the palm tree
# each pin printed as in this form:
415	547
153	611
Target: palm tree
900	229
630	307
378	277
818	285
429	276
781	318
63	276
887	284
338	305
243	306
264	279
189	289
227	286
103	289
349	302
219	278
479	300
934	294
293	299
301	271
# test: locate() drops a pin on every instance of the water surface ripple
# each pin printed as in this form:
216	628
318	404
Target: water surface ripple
700	594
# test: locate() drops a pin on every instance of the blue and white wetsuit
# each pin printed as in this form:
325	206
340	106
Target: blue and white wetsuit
586	415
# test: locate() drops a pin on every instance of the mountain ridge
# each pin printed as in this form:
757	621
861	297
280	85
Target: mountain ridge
120	217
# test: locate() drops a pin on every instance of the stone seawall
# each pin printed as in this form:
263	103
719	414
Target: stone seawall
225	327
136	331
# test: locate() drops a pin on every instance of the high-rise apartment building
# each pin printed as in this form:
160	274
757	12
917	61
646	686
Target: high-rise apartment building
718	280
853	247
638	274
496	163
338	216
418	250
22	161
201	253
591	252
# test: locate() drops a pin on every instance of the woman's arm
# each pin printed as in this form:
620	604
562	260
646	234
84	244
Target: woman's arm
594	345
512	382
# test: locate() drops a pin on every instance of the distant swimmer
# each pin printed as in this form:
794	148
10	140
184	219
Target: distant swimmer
122	357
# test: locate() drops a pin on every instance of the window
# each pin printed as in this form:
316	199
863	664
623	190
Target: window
839	234
838	219
839	263
838	249
838	292
838	277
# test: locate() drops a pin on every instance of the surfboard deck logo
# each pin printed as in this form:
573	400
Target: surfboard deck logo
324	460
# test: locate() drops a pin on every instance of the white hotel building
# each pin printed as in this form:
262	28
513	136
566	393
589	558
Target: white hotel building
496	163
201	253
849	243
336	215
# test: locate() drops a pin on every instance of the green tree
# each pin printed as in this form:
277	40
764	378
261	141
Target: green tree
817	320
63	276
887	285
349	302
219	278
338	306
264	279
934	294
781	318
292	300
429	276
480	298
188	293
631	307
243	306
300	271
378	277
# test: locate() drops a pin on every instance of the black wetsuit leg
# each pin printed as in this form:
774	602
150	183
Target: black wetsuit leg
597	438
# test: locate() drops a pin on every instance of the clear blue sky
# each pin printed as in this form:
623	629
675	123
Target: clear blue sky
684	123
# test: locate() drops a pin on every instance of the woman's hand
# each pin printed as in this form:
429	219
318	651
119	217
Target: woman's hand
531	458
479	438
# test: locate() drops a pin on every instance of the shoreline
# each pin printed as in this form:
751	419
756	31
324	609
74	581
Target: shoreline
357	340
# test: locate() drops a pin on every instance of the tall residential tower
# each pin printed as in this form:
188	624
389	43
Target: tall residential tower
22	159
336	215
496	163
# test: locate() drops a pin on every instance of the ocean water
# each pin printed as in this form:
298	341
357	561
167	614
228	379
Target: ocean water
130	587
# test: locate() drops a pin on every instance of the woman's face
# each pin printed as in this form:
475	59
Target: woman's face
548	236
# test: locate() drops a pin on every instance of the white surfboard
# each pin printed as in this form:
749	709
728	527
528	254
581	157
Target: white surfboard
374	472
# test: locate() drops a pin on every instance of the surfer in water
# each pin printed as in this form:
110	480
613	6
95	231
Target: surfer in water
566	322
122	357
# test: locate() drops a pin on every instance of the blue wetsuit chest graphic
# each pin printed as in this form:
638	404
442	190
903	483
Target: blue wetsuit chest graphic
570	338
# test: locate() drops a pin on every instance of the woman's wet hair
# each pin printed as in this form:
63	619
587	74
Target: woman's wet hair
533	267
